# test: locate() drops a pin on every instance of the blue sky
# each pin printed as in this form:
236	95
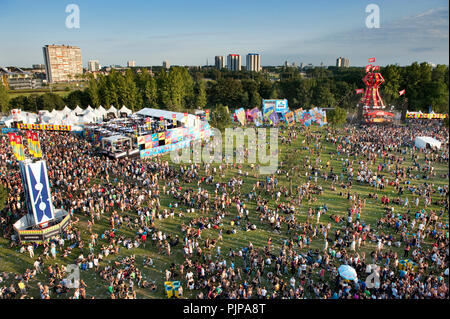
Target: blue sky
190	32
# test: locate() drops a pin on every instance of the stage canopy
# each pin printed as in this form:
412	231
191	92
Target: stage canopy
423	141
147	112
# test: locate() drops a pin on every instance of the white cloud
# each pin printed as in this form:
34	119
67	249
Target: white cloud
422	36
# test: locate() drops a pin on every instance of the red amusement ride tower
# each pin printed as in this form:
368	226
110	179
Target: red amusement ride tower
372	98
371	102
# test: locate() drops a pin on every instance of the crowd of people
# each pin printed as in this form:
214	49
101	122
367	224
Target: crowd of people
183	213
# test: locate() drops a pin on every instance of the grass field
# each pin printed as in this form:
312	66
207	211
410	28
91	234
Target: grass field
12	261
13	94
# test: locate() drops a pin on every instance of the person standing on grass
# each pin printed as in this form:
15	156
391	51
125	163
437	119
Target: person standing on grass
53	250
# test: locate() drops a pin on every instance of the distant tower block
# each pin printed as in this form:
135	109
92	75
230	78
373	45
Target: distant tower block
372	98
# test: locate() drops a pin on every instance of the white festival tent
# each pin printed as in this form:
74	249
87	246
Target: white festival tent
112	109
89	109
66	110
101	110
88	117
423	141
98	115
191	119
70	119
126	110
78	110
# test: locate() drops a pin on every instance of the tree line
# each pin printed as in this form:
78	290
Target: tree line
181	89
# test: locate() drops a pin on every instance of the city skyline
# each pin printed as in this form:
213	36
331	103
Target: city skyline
410	31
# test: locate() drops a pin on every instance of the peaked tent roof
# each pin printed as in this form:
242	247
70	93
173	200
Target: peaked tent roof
112	109
66	110
124	109
78	110
101	109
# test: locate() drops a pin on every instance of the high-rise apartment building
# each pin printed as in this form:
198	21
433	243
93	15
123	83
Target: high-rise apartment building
219	62
253	62
234	62
166	64
342	62
131	64
93	66
62	63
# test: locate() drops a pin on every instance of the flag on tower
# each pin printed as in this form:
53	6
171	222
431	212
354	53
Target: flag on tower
371	60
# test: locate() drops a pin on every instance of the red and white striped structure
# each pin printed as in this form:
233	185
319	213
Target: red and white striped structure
372	98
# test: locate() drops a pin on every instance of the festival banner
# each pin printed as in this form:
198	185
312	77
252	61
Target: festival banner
44	127
298	114
420	115
274	118
19	148
36	145
207	115
258	119
149	145
161	136
141	140
12	141
174	119
155	137
148	120
168	137
290	118
30	142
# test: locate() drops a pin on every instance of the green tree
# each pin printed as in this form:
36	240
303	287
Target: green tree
164	98
4	99
337	116
322	96
50	101
93	92
147	88
220	118
77	97
226	91
391	85
200	94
